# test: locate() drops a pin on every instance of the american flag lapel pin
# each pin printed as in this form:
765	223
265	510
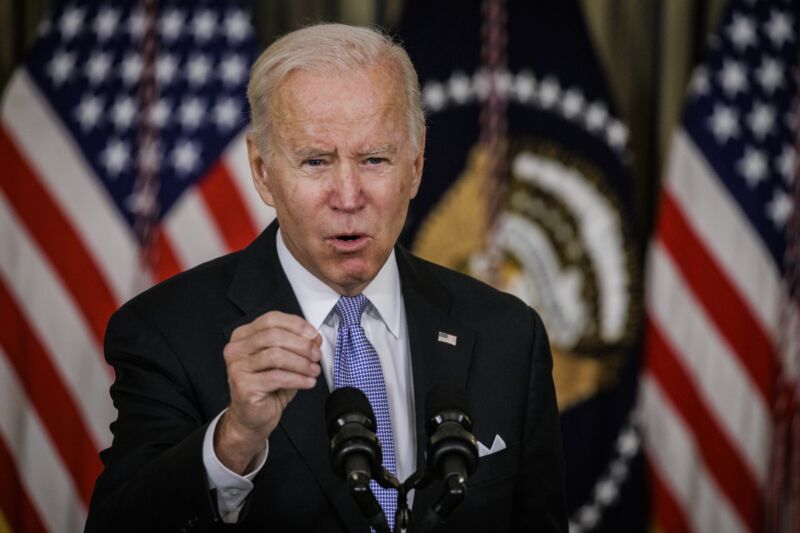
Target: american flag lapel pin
447	338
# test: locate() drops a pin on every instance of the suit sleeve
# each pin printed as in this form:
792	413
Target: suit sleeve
540	495
154	478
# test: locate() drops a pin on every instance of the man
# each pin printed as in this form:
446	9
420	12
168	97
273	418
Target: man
222	372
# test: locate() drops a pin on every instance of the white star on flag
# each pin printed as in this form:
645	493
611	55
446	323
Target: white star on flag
761	120
233	69
160	113
171	24
191	112
131	68
732	77
724	123
770	74
116	157
89	111
123	113
98	67
226	113
779	28
136	24
61	66
787	163
105	23
203	25
166	67
185	157
753	166
71	22
779	208
237	26
699	83
742	32
198	69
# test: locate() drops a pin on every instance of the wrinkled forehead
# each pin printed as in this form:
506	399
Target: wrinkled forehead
339	98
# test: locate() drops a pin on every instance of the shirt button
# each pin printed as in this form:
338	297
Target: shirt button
232	492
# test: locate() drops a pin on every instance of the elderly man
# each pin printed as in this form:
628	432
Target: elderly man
222	372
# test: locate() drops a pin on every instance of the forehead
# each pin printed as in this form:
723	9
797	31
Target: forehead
321	100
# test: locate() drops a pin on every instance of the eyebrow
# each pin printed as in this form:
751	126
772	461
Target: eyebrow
385	149
312	152
306	152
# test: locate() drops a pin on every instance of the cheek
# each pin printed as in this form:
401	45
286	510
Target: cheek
303	202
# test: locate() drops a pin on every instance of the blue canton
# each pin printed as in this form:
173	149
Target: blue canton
88	64
742	112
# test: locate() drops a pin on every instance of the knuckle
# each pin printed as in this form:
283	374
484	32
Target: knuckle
274	359
228	352
271	318
309	345
266	337
240	332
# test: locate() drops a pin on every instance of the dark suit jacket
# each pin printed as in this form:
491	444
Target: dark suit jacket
166	347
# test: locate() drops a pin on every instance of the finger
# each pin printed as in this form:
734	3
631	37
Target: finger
273	338
271	382
280	359
276	319
277	380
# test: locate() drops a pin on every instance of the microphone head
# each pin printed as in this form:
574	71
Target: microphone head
445	398
452	449
355	449
347	401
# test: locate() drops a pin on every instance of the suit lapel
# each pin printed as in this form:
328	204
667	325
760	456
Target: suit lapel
259	285
428	313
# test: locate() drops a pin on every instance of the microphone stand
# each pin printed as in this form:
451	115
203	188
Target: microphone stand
358	483
454	491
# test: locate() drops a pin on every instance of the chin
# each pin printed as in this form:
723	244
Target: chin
351	279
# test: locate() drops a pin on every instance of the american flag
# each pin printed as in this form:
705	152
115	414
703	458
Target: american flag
123	162
722	320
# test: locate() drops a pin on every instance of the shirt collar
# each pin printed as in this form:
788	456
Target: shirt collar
317	300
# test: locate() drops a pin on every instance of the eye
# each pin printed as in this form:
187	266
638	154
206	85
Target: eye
375	160
314	162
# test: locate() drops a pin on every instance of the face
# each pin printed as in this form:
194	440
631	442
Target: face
341	172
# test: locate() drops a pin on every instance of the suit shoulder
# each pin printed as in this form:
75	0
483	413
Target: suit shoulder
203	282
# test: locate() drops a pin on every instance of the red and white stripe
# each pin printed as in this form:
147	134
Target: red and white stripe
713	299
68	259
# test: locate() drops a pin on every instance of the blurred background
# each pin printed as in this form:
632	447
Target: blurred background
646	51
627	167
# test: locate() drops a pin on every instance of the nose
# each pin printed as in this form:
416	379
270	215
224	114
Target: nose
348	193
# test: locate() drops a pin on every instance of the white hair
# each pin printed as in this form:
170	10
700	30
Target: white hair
328	48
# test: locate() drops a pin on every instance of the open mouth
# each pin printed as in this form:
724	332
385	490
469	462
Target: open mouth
349	242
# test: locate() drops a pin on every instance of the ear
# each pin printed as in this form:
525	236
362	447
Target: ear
258	170
419	163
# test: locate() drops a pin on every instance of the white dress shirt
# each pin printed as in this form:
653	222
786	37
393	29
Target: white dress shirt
384	323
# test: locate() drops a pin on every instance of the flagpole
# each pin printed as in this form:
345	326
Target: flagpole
146	188
494	123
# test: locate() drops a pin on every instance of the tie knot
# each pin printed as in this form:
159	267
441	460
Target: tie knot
349	309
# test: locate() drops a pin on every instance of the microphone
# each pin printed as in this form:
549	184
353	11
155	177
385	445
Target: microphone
355	452
452	448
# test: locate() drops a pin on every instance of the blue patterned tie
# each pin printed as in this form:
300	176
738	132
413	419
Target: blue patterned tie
356	364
